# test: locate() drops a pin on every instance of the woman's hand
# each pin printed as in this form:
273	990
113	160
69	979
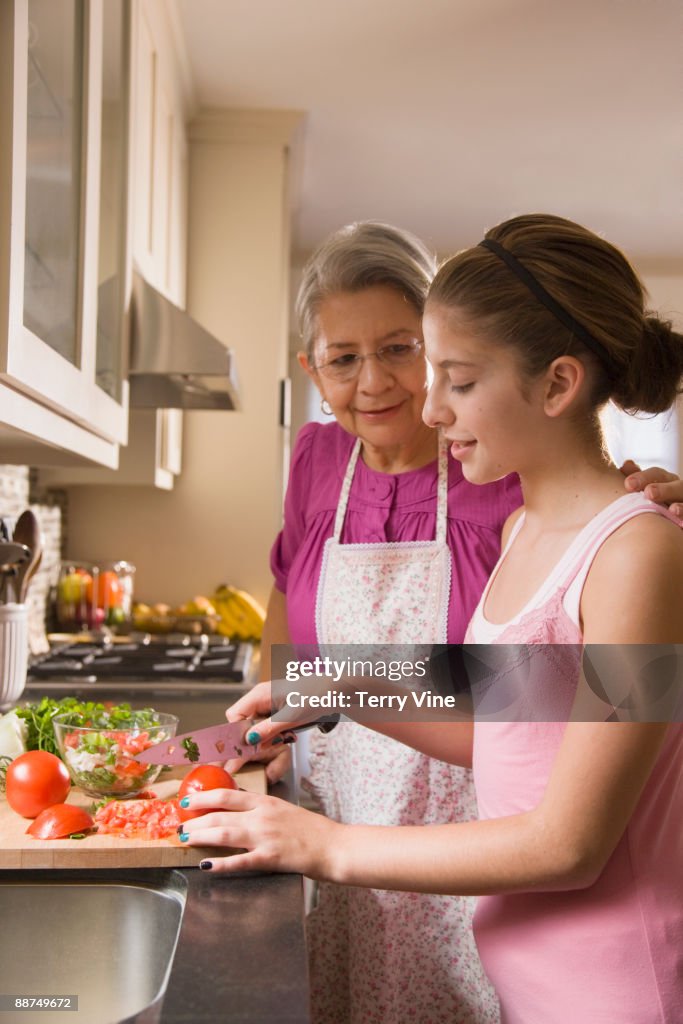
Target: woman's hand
657	484
275	835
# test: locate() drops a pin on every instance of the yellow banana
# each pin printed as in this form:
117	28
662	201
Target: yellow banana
254	611
241	614
227	625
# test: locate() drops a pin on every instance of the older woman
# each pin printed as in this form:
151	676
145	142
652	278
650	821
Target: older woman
377	512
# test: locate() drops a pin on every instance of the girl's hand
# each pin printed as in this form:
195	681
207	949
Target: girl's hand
274	753
657	484
276	759
254	704
275	835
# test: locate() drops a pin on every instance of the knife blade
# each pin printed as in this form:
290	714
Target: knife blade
216	743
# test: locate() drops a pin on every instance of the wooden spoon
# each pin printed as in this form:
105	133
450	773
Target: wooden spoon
27	531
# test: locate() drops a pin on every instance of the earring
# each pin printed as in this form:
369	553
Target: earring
325	407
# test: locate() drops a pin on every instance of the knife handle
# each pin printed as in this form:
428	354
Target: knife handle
326	726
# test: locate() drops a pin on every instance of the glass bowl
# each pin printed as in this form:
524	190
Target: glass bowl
99	752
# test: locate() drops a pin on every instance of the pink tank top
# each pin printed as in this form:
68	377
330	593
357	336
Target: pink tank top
612	952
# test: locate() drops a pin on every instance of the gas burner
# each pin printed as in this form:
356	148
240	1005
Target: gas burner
148	658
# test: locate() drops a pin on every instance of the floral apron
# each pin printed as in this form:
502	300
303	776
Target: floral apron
389	957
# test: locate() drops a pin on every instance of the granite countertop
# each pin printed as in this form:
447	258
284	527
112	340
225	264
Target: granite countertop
241	955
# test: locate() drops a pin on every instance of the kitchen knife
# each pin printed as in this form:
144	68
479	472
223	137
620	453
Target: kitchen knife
216	743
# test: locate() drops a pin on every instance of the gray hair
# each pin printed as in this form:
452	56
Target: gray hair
359	256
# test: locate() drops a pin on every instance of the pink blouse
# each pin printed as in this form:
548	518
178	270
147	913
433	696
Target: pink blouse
382	507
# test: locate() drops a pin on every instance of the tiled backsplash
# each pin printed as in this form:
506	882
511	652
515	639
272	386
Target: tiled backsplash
14	498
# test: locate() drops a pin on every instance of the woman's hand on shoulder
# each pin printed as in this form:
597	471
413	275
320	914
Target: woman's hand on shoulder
657	484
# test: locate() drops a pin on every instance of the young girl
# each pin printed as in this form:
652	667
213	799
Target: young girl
577	858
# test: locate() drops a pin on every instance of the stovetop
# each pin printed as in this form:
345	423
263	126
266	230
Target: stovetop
146	660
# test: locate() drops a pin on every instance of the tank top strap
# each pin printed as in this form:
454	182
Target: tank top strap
580	556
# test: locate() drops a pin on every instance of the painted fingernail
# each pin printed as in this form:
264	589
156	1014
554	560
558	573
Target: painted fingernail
184	836
278	739
206	865
185	802
253	738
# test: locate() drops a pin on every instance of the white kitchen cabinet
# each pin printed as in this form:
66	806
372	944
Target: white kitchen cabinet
159	100
153	456
160	105
62	370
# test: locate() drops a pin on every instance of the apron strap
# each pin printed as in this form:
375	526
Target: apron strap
346	488
441	500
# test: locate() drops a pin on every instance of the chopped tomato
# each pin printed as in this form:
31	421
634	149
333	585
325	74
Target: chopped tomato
132	768
140	819
60	821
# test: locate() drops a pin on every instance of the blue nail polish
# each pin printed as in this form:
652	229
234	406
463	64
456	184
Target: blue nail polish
278	739
253	738
184	836
206	865
185	802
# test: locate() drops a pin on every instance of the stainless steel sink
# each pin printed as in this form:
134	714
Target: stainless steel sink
107	939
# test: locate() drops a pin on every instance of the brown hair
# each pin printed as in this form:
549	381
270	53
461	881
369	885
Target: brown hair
639	361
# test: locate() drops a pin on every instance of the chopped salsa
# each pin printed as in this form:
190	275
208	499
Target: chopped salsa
139	819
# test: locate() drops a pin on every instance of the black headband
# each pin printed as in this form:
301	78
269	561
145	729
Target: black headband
558	311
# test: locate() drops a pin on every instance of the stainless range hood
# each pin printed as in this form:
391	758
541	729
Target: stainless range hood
174	362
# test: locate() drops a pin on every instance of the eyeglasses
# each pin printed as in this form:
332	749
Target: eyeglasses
394	356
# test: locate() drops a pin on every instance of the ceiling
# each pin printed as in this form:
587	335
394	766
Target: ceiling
446	116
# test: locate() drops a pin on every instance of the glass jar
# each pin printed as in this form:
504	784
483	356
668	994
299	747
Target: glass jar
126	573
91	596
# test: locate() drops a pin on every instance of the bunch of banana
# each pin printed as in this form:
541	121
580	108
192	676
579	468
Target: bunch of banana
240	614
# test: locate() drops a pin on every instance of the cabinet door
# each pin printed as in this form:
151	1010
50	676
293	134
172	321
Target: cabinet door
50	137
144	81
160	156
112	327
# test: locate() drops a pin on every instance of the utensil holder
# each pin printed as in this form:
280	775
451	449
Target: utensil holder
13	652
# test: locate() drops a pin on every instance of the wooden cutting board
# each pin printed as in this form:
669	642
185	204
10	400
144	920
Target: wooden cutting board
18	850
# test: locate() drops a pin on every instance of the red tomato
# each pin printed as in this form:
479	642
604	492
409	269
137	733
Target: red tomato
203	777
60	821
36	780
